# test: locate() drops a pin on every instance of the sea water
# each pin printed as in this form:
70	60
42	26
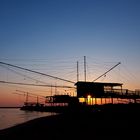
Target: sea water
12	116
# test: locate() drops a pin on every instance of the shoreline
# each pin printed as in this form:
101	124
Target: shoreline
22	124
10	117
9	107
77	126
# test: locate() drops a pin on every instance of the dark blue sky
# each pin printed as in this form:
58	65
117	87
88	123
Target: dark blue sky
103	29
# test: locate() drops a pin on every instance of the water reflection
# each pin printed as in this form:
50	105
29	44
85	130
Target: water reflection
11	117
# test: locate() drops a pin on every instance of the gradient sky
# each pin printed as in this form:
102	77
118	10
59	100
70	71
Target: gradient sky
105	30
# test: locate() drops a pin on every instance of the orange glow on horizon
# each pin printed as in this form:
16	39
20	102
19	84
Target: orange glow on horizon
100	101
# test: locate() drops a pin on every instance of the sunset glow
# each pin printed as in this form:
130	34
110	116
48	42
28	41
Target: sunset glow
52	36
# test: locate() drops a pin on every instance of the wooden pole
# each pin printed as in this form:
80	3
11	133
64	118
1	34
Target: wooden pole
77	71
85	67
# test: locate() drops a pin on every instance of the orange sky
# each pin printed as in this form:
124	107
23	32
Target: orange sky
51	36
7	98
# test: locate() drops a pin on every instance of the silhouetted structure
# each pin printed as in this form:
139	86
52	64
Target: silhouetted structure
90	92
96	89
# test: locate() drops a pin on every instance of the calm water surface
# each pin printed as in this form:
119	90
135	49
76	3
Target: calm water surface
13	116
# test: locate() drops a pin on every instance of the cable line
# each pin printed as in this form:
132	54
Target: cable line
37	72
25	84
107	71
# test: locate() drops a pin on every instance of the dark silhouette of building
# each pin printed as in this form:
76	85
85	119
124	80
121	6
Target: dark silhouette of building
96	89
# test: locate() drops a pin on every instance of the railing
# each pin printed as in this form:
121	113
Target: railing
124	93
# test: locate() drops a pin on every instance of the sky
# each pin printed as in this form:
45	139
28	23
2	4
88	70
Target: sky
51	35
